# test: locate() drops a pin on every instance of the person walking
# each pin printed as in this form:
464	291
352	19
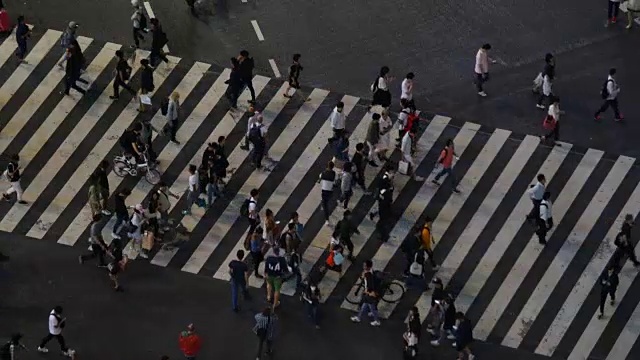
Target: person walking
239	272
311	296
372	138
139	24
536	192
346	184
123	74
173	115
482	68
384	142
94	200
103	185
612	12
98	247
609	93
338	121
446	162
406	147
192	191
545	219
633	9
345	228
552	122
189	342
327	180
426	242
410	340
68	36
380	89
464	336
23	33
624	247
234	84
407	90
146	86
265	330
12	173
247	64
73	69
370	295
294	77
609	283
275	267
359	162
9	349
258	138
122	212
548	70
547	91
158	41
56	324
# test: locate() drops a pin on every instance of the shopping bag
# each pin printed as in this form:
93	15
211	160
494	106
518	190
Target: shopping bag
549	123
403	167
145	99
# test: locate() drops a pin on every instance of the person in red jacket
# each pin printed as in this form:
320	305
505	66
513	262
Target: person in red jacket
190	343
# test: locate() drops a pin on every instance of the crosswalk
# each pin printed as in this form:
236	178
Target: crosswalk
516	292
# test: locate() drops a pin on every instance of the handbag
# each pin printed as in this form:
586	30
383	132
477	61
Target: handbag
549	122
403	167
416	267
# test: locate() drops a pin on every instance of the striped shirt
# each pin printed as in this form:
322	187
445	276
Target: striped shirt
266	322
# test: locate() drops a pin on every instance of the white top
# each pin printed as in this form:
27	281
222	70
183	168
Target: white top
612	88
54	324
252	120
411	338
554	110
407	89
537	191
136	220
337	119
172	110
402	118
382	83
136	19
253	206
546	85
482	62
193	181
545	210
406	144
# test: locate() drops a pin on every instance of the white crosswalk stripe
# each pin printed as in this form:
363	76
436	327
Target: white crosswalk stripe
517	292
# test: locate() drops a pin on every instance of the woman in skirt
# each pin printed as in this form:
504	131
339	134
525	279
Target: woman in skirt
380	89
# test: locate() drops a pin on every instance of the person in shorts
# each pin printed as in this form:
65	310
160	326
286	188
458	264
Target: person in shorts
275	267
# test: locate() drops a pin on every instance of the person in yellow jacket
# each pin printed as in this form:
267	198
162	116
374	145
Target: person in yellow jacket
426	238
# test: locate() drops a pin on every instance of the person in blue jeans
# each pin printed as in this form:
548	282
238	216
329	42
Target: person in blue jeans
370	296
22	34
311	296
122	212
239	272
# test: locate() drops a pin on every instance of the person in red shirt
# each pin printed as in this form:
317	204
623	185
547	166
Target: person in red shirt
190	343
446	161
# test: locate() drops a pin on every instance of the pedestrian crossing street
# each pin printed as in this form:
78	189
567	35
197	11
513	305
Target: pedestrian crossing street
516	292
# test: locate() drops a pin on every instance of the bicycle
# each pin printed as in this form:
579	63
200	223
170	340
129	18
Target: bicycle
124	165
392	291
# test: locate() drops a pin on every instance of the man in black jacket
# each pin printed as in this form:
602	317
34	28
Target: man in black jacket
158	41
609	282
246	73
343	231
75	62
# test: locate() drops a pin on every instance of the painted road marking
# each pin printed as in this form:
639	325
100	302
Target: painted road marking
274	67
257	30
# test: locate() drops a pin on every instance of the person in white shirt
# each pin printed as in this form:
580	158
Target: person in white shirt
338	121
554	112
137	220
536	192
192	193
547	91
56	324
545	220
609	93
384	143
254	218
410	344
405	148
258	139
407	89
481	68
252	120
138	20
172	116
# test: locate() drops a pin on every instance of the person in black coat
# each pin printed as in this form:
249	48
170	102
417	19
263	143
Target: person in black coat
609	282
73	69
246	65
158	41
234	83
464	336
146	81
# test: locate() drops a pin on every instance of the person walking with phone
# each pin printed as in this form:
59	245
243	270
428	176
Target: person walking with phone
56	324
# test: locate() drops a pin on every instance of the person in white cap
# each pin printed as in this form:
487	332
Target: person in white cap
68	37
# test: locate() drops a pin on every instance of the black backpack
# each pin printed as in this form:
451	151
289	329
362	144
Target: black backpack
164	106
604	92
255	134
244	209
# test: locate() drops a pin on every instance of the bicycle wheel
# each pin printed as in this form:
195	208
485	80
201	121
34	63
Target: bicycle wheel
354	296
394	292
152	176
121	169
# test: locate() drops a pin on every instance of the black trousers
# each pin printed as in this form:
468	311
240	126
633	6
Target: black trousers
325	198
479	81
249	84
116	87
542	231
554	134
258	154
384	214
155	57
612	9
261	341
613	103
535	210
60	338
137	36
70	82
359	180
96	252
611	291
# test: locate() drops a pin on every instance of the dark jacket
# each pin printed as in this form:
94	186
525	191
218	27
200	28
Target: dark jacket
146	79
464	334
246	69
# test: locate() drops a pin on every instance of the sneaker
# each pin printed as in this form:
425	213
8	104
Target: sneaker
43	350
540	106
482	93
144	255
114	97
471	357
373	163
597	118
600	316
435	182
418	178
613	302
115	236
453	344
355	319
6	197
80	260
68	353
451	337
22	202
614	20
327	223
375	323
106	212
435	343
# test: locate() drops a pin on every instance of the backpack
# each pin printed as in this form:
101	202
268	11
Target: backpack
417	266
164	106
143	20
604	93
255	134
244	209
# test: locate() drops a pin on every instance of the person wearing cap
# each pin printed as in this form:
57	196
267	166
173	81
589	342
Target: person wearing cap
68	36
190	342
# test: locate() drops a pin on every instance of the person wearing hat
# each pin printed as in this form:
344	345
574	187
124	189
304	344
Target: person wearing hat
189	342
68	36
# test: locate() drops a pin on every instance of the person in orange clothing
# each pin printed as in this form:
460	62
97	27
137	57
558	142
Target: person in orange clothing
446	161
190	343
426	238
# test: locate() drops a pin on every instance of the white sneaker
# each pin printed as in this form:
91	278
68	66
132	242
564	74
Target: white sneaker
375	323
435	343
144	255
451	337
471	356
115	236
431	331
482	93
355	319
106	212
453	344
69	353
540	106
43	350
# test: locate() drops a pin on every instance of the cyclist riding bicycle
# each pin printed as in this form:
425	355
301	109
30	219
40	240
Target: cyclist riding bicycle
131	143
